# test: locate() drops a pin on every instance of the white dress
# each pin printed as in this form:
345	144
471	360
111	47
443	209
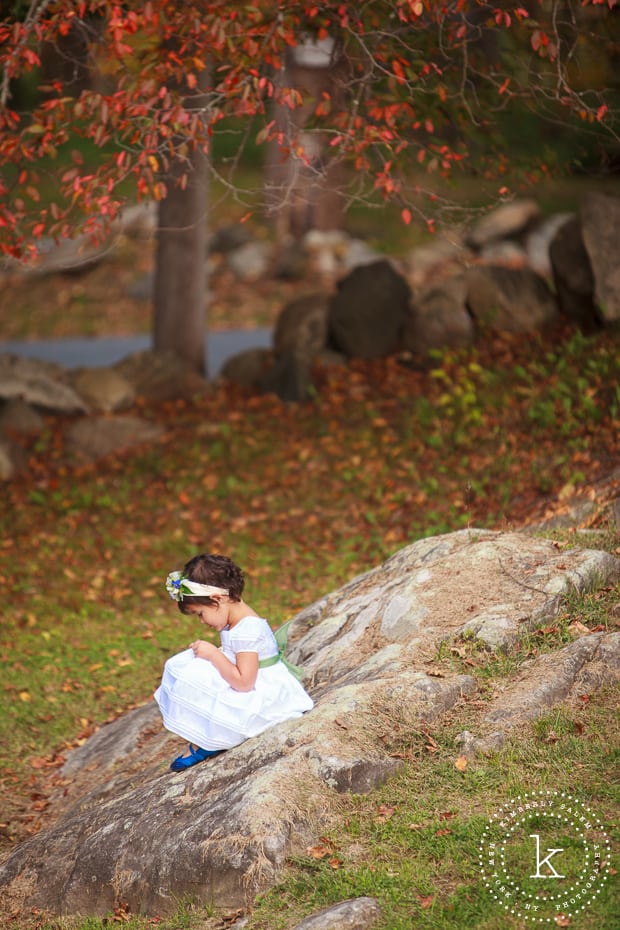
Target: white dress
197	704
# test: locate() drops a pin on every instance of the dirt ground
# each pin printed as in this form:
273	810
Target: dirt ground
96	301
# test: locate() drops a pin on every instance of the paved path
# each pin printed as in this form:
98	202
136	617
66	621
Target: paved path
91	353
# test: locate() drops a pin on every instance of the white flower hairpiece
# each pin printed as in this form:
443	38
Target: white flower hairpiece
179	587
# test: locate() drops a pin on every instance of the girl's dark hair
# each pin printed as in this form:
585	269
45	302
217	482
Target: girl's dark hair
217	570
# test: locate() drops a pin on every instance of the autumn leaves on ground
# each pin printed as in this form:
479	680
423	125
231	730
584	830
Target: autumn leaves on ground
303	496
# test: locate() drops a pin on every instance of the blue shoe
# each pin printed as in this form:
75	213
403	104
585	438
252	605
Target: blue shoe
195	755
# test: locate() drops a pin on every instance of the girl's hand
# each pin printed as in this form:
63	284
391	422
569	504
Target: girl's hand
203	649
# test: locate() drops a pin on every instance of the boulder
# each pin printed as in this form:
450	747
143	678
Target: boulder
507	221
368	311
439	318
514	300
600	227
357	253
92	438
291	262
123	828
355	914
229	238
572	274
289	378
39	384
301	327
247	368
160	376
434	259
504	252
251	261
12	459
538	242
70	256
103	389
19	417
139	220
325	249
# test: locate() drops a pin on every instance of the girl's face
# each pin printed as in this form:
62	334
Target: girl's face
215	617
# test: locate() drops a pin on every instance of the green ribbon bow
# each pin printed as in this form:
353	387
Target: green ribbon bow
281	635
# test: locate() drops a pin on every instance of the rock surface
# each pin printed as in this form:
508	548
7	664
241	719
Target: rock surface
439	318
39	384
124	828
600	221
368	311
95	437
355	914
509	219
514	300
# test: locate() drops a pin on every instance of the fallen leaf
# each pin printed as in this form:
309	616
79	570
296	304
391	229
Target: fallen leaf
446	815
385	813
425	900
461	763
562	920
335	863
577	628
319	852
435	673
444	832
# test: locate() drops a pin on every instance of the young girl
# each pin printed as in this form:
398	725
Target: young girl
217	698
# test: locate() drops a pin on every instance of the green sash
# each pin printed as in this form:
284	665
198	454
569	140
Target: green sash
281	636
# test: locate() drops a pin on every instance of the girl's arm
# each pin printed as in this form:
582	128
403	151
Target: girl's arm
240	677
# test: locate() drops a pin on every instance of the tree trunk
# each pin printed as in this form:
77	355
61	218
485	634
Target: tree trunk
180	302
303	196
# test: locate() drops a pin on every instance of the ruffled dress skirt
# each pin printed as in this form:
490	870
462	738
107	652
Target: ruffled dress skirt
198	705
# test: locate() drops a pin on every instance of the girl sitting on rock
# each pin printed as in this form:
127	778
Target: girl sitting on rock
218	697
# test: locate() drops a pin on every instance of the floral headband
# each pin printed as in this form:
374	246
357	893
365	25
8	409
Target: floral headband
179	587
